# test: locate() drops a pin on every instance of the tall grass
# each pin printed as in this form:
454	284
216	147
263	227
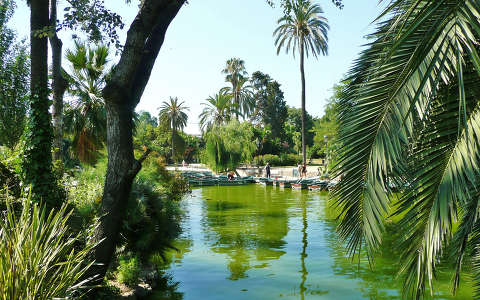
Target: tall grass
39	258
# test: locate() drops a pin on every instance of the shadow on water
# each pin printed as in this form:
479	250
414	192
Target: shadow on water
166	289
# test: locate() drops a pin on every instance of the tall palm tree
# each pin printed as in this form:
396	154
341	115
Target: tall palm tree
85	116
217	111
243	94
174	114
302	28
237	76
410	117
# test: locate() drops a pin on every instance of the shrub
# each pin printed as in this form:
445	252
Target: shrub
38	258
153	212
128	271
276	161
258	160
290	159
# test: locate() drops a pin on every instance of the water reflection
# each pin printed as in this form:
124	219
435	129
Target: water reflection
303	255
253	242
246	226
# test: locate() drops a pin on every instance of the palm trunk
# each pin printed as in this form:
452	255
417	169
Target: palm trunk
235	99
173	144
302	73
59	83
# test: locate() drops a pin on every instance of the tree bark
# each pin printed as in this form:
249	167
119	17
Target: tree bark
302	73
59	83
38	158
122	93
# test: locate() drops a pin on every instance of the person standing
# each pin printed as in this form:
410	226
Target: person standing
304	170
267	170
299	167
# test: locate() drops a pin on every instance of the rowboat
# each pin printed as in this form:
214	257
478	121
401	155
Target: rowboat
318	185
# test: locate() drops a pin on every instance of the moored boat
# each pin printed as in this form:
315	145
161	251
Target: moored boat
284	184
318	185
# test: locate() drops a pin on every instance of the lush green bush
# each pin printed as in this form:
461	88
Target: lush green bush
38	257
275	160
128	271
291	159
153	214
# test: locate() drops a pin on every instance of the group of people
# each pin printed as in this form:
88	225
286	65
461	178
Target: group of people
302	170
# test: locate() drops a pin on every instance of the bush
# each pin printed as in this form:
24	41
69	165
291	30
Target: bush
290	159
128	271
276	161
153	212
38	258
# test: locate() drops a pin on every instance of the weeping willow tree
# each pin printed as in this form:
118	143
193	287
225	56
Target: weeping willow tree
228	145
410	117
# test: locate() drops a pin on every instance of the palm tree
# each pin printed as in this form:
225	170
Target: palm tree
302	28
217	111
243	94
85	116
410	118
174	114
237	76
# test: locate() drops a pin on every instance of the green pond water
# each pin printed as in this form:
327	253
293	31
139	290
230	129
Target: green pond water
256	242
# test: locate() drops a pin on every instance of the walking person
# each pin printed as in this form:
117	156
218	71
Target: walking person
267	170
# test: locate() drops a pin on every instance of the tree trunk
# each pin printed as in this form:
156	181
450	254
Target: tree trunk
235	97
173	144
59	84
118	181
38	158
302	73
122	93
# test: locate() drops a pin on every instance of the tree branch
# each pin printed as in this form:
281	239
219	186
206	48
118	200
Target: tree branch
140	47
152	48
137	165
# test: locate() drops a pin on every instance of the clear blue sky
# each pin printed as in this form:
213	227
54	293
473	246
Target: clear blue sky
208	32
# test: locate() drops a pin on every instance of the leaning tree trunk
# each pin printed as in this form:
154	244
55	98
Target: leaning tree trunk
38	158
122	93
121	171
59	84
302	73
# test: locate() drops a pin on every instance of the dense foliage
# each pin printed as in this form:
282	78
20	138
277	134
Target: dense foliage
14	81
270	105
